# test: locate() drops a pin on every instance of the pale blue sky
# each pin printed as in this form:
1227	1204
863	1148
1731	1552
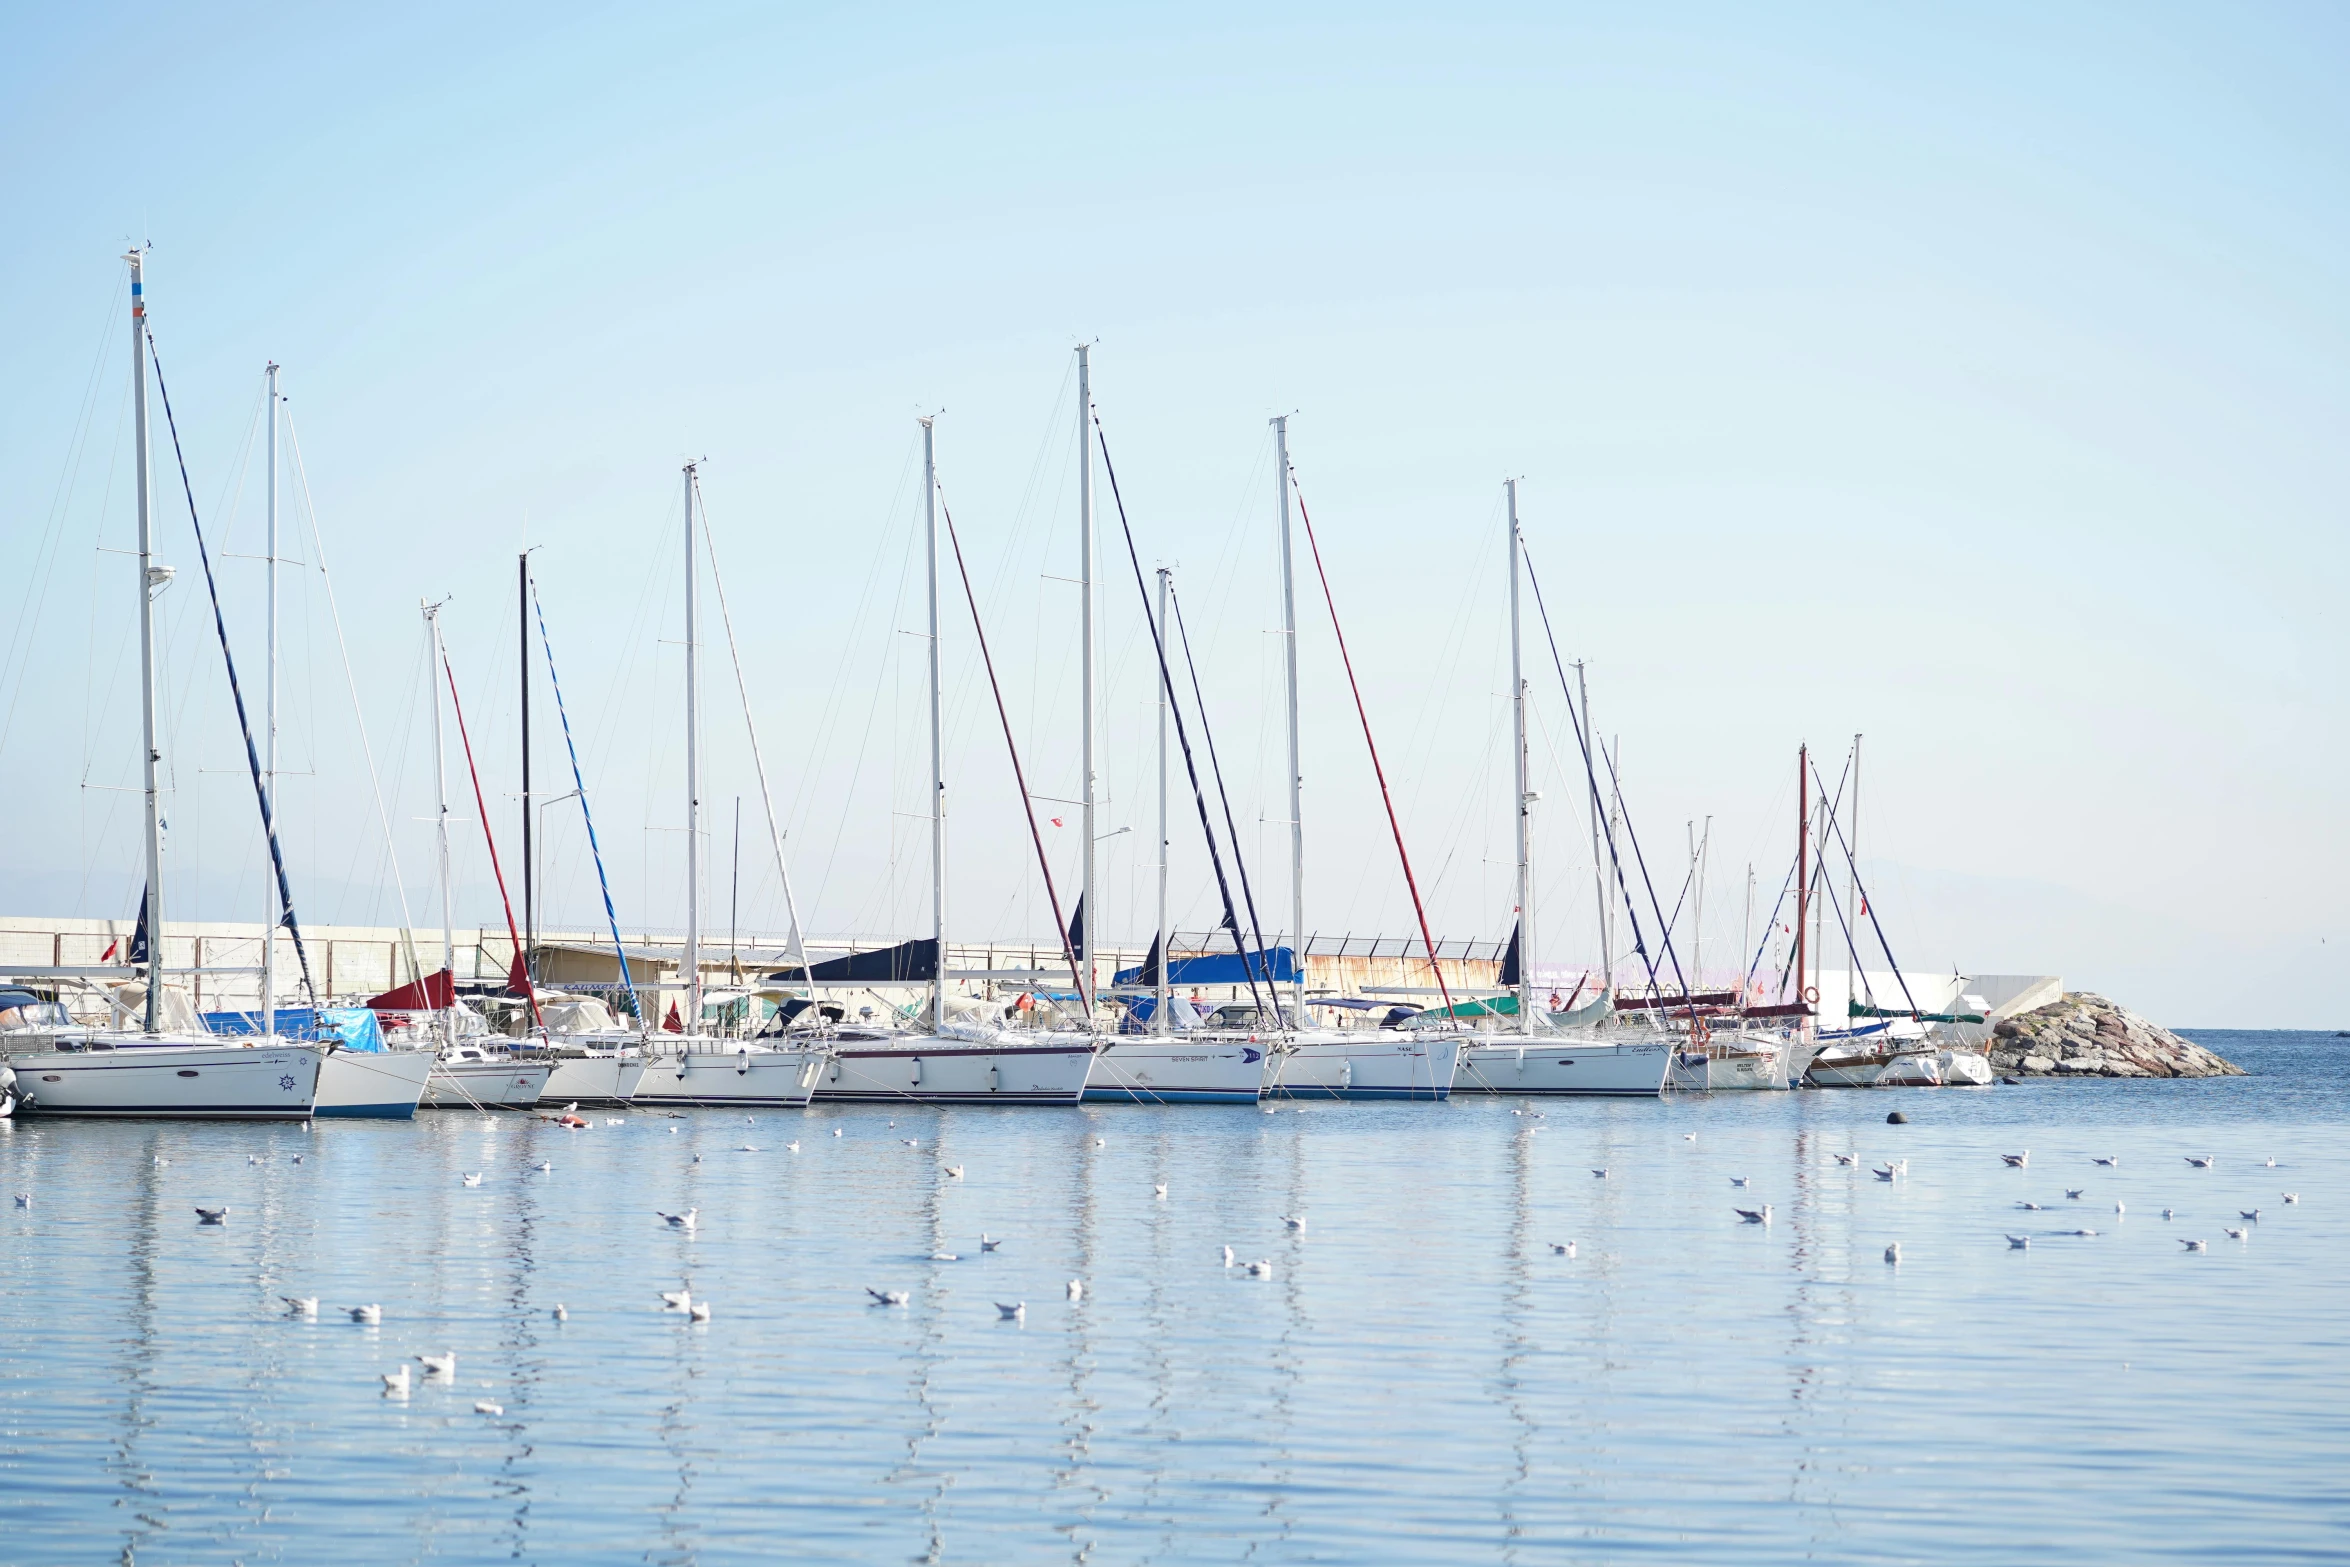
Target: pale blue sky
1973	381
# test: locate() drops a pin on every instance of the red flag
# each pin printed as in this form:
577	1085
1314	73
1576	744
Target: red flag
670	1023
1056	821
108	955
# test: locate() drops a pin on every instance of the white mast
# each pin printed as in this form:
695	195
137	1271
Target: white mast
152	579
1297	826
938	785
1599	864
1853	980
440	773
1086	900
693	779
269	759
1704	846
1159	1006
1525	797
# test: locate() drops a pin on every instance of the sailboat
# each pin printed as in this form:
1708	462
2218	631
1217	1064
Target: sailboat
1537	1056
1336	1063
154	1071
950	1059
691	1066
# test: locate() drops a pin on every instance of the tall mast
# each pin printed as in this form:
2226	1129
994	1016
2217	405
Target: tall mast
1086	900
440	774
1159	1005
1802	863
1853	983
1525	797
152	579
693	778
1705	842
530	922
1297	826
938	785
1607	960
269	727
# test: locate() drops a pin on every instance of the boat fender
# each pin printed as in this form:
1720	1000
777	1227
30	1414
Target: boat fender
742	1063
1897	1119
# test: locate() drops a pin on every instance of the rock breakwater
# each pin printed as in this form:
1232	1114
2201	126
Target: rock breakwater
2085	1035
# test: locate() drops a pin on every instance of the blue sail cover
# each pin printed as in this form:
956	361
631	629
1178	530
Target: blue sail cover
355	1028
1272	965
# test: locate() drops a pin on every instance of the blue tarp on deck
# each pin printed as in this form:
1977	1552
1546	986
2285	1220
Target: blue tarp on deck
1273	965
355	1027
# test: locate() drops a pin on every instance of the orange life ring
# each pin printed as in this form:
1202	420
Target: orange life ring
1700	1032
1811	995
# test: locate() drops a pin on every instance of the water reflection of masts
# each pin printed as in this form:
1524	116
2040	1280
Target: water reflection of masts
521	1347
139	1365
1805	1315
1079	1418
928	1353
1517	1346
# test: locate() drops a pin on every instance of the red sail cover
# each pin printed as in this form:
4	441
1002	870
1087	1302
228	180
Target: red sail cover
428	994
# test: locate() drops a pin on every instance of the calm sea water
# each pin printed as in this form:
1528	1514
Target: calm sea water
1421	1379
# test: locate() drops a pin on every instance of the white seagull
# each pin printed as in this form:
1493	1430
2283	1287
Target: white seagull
2193	1245
1893	1252
1077	1289
2116	1159
396	1381
2020	1242
211	1215
1753	1215
2084	1232
986	1244
954	1172
680	1221
911	1142
2075	1193
699	1311
439	1365
1563	1248
746	1148
473	1180
2119	1208
370	1315
1013	1312
1848	1158
944	1256
2166	1213
1227	1256
1886	1174
485	1407
1738	1180
2292	1196
836	1131
1159	1190
543	1166
301	1305
792	1147
1295	1222
2201	1161
1602	1174
680	1299
25	1199
888	1297
2236	1235
2249	1213
2031	1207
2016	1161
561	1315
1260	1269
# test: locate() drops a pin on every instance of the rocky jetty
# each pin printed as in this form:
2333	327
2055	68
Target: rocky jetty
2086	1035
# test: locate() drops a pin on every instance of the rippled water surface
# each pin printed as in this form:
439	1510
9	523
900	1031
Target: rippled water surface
1420	1379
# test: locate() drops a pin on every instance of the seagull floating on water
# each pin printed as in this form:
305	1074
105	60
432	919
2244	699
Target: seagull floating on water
252	1158
1886	1174
1159	1190
211	1215
2020	1242
680	1221
2201	1161
1227	1256
485	1407
699	1311
2166	1213
2075	1193
2084	1232
2272	1164
396	1381
2236	1235
1893	1252
944	1256
697	1158
2031	1207
439	1365
680	1299
1563	1248
473	1180
2292	1196
2249	1213
1100	1143
301	1305
2193	1245
747	1148
1260	1269
1077	1289
2116	1159
1294	1221
1753	1215
836	1131
1688	1137
543	1166
888	1297
25	1199
792	1146
1848	1158
2118	1208
1738	1180
989	1245
954	1172
297	1158
1602	1174
561	1315
370	1315
1012	1313
2016	1161
911	1142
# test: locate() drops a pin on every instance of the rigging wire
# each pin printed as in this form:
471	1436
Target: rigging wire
481	808
611	916
1239	860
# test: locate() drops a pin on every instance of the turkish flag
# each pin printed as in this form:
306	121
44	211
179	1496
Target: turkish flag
670	1023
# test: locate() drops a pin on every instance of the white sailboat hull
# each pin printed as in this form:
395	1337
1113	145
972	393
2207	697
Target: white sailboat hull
956	1071
1700	1071
1177	1071
1626	1069
719	1072
598	1079
185	1079
1381	1064
375	1084
485	1085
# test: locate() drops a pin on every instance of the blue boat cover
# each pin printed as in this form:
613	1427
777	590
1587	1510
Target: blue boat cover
1274	965
354	1027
